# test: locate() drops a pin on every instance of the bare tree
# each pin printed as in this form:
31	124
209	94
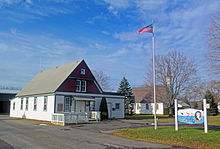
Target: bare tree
176	73
196	92
102	79
213	40
199	91
214	87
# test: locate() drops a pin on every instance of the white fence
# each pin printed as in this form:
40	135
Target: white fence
67	118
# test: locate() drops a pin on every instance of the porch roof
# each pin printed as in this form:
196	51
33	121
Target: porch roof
83	99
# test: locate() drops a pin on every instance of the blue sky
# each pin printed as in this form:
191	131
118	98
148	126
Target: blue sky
40	34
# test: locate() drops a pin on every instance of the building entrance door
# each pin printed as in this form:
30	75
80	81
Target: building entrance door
109	109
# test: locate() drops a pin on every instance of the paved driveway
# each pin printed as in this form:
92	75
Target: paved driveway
29	134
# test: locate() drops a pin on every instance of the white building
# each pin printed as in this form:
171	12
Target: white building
64	93
144	103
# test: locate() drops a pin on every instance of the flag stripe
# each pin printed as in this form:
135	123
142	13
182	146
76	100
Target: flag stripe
148	29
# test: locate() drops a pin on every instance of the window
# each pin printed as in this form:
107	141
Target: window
21	104
45	103
35	103
26	106
138	106
60	107
67	104
13	105
157	106
80	86
117	106
83	86
83	71
147	106
92	105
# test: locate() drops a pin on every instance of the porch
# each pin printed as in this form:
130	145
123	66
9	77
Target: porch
75	117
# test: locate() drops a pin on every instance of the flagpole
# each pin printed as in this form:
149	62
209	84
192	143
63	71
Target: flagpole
154	80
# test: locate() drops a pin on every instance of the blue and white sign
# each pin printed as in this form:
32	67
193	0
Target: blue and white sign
191	116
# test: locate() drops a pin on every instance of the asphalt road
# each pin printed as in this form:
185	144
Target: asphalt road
23	134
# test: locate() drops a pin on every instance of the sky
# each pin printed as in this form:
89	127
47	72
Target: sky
40	34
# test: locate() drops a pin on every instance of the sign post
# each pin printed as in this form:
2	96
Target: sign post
176	114
205	116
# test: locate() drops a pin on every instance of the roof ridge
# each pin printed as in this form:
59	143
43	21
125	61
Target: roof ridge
62	65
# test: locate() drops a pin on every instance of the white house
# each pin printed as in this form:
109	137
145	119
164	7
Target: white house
65	93
144	103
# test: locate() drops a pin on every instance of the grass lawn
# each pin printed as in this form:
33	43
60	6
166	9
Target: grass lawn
212	120
187	137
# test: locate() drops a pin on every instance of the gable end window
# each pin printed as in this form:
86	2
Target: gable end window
80	86
45	103
83	71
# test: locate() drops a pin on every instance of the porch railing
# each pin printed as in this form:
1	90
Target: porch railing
68	118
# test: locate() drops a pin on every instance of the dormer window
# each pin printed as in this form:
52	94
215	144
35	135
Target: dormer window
83	71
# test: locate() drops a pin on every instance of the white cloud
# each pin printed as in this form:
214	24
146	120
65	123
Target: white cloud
120	52
145	5
9	2
126	36
118	3
114	6
105	32
29	1
13	30
29	9
97	45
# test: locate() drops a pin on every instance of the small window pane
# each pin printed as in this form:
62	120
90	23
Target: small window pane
92	105
138	106
83	71
21	103
45	103
157	106
60	107
26	106
35	103
13	105
78	85
67	104
83	86
147	106
117	106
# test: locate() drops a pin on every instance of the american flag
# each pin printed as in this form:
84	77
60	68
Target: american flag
148	29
